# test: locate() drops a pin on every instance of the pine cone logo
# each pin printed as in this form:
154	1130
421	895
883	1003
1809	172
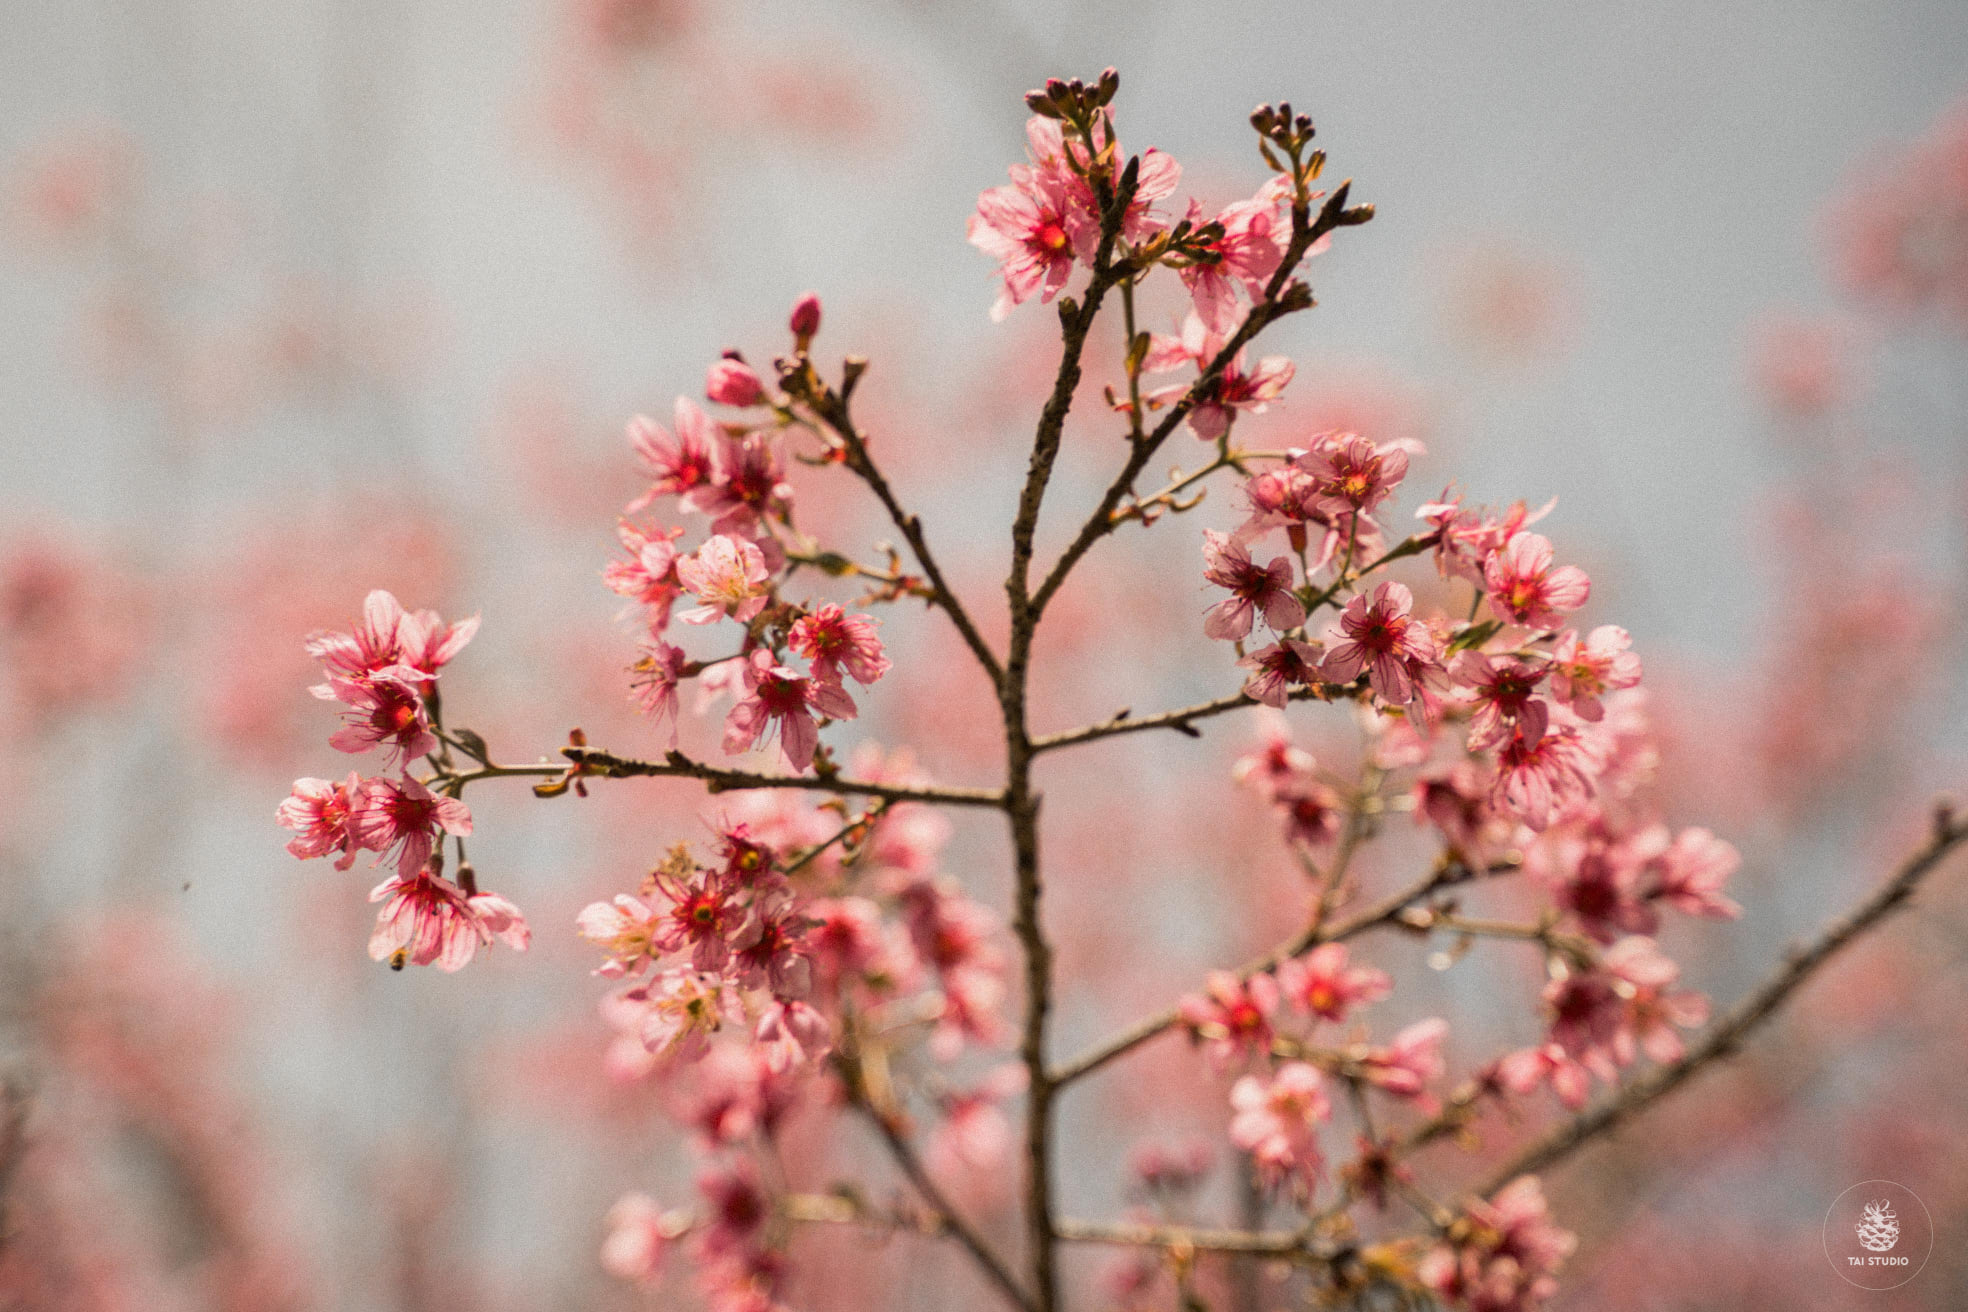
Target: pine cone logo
1879	1230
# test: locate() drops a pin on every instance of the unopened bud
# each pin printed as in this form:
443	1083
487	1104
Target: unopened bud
805	320
731	381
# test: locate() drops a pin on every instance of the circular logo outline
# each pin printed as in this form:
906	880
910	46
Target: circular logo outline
1912	1270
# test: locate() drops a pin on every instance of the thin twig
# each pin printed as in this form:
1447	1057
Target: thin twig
1177	719
593	763
833	408
1265	1243
933	1197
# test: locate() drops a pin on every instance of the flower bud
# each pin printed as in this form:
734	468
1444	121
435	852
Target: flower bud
732	382
805	321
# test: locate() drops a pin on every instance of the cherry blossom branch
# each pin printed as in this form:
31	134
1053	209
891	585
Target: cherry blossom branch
1021	803
1385	912
1724	1037
1282	296
1178	720
593	763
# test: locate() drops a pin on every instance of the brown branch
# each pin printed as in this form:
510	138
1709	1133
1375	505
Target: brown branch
1282	296
1178	719
833	408
1021	803
1722	1038
593	763
1385	912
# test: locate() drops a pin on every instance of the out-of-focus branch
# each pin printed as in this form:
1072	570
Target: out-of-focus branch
1725	1035
946	1218
13	1147
1286	1244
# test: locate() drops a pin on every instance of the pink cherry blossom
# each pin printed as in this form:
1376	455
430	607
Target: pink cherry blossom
1232	1017
1313	813
1691	872
1277	765
1351	473
835	642
1248	253
1583	670
1277	669
680	1010
1523	1071
1277	1122
1456	800
380	712
1156	177
701	917
1525	589
1381	636
1252	590
769	952
791	1033
319	812
656	674
638	1233
1501	689
432	921
729	576
736	1208
403	815
1539	778
848	942
1596	877
678	465
1025	229
1466	538
627	928
1410	1061
390	642
747	484
1501	1260
778	699
1236	388
647	574
1324	985
1604	1017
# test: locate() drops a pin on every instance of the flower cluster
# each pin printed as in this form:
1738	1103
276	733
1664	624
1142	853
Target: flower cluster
383	673
733	474
811	929
1273	1021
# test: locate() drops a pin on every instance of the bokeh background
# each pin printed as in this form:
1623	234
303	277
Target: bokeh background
309	298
